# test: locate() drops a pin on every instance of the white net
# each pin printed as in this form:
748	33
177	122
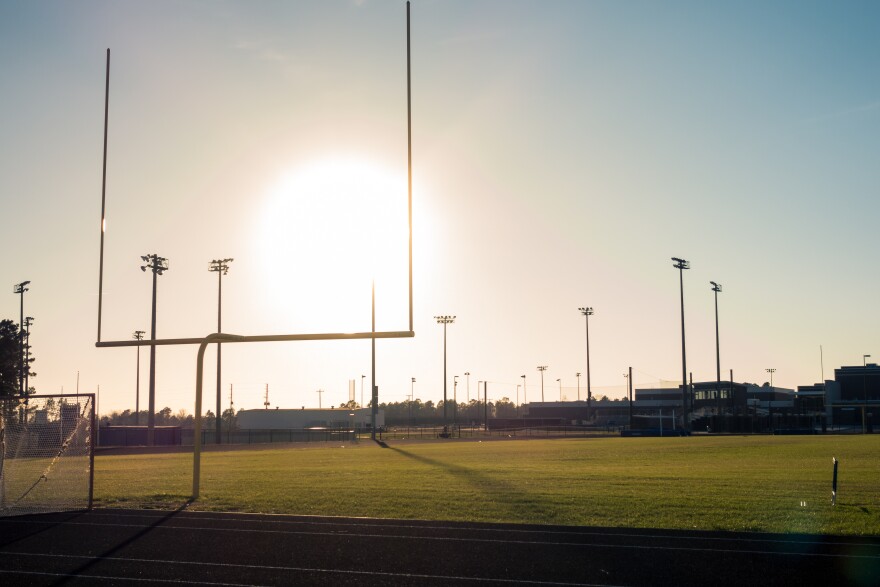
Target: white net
46	454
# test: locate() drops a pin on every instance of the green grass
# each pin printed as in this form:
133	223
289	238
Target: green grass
708	483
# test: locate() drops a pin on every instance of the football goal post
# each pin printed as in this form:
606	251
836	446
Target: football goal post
46	453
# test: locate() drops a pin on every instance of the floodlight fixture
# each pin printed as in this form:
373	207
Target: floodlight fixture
444	320
681	263
716	287
20	288
220	265
154	262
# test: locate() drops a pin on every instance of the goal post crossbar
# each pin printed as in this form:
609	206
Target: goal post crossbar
259	338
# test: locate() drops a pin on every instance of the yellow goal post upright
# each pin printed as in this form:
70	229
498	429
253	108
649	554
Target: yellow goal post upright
219	337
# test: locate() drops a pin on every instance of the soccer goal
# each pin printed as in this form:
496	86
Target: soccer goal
46	453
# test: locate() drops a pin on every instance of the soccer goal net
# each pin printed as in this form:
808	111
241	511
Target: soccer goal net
46	454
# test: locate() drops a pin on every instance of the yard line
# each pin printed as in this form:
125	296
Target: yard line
280	568
138	579
477	540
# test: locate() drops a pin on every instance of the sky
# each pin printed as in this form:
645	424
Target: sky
563	152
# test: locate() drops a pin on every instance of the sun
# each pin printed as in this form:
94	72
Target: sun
329	228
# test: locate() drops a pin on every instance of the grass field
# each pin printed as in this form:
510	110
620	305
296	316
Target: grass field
755	483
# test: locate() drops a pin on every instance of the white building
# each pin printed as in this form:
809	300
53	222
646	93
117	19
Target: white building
279	419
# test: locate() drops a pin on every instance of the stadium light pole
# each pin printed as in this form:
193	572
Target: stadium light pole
28	320
158	265
412	391
467	374
681	265
772	394
542	368
20	288
221	267
587	312
362	389
138	335
525	395
444	320
559	381
771	372
454	401
578	375
716	287
865	360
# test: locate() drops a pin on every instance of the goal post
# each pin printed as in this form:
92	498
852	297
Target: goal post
46	453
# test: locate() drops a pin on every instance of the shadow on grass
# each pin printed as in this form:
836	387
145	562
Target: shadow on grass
110	552
520	506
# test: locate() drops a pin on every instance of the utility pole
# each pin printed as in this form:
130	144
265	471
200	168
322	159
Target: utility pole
158	265
681	265
444	320
716	287
19	289
138	335
542	368
221	267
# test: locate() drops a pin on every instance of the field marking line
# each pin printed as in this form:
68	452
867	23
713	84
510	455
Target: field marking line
281	568
132	579
330	522
476	540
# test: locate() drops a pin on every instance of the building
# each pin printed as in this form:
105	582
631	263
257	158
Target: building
301	419
852	399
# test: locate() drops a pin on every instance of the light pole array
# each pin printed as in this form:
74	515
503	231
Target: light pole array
444	320
138	335
587	312
716	287
20	288
681	265
221	267
158	265
542	368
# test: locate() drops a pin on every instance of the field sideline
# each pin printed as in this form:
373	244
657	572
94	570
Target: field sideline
733	483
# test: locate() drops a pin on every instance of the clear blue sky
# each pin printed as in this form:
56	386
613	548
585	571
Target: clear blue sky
563	152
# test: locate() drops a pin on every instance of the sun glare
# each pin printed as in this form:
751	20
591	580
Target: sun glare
327	230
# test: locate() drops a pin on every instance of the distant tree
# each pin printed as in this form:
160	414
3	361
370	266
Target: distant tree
10	358
350	405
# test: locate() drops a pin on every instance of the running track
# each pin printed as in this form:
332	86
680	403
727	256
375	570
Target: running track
148	547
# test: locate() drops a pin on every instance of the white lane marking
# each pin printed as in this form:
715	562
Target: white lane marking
278	568
472	540
330	522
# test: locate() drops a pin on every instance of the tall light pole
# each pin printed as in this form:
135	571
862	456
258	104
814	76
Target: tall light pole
542	368
525	396
454	400
864	392
716	287
138	335
771	372
578	375
559	381
362	390
444	320
587	312
411	395
28	320
467	374
865	360
221	267
20	288
681	265
158	265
